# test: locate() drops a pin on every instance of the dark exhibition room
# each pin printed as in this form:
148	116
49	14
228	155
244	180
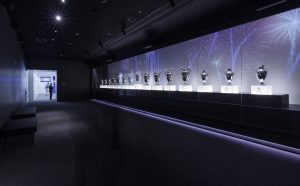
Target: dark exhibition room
149	92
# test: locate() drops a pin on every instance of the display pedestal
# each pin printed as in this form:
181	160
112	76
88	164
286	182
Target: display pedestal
205	88
230	89
146	87
261	90
157	87
138	86
185	88
170	88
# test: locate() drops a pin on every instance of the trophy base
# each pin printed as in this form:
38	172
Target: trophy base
138	86
157	87
261	90
205	88
146	87
230	89
185	88
170	88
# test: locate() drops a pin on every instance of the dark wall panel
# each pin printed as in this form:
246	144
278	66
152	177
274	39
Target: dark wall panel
12	70
73	77
169	153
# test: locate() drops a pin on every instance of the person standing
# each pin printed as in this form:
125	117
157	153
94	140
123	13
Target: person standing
51	90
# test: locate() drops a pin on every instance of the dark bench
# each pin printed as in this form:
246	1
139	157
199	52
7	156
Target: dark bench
25	112
18	130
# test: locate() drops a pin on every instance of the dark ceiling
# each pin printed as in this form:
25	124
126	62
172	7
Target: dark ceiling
102	31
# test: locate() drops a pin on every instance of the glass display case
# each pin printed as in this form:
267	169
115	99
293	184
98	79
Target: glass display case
248	74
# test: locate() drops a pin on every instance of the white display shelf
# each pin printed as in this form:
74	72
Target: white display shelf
146	87
138	86
129	87
170	88
205	88
230	89
185	88
157	87
261	90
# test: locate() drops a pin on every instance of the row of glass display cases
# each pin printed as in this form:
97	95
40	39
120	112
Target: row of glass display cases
231	89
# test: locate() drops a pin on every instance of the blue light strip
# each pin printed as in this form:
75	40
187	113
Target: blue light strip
266	145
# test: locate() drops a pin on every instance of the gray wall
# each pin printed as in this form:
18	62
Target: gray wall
73	77
12	70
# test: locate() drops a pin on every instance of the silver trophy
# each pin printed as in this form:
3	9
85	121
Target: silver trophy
109	82
105	82
130	79
261	74
185	73
119	79
156	76
138	76
169	76
124	80
147	78
204	77
102	82
113	80
229	75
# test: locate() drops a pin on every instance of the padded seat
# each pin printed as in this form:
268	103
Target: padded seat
19	132
19	127
25	112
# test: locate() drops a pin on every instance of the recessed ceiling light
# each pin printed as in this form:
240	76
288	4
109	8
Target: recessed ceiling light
140	11
52	39
55	31
63	1
58	18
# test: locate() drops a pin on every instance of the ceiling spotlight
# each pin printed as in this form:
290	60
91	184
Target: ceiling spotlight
55	31
63	1
58	18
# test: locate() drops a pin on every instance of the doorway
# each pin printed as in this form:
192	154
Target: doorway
38	84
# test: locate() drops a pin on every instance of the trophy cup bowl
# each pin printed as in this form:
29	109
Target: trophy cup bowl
156	77
229	75
138	76
204	76
169	76
146	78
261	74
185	73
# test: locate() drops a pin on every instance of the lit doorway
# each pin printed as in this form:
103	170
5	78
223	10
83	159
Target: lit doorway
39	83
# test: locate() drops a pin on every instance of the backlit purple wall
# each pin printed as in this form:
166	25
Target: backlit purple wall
272	41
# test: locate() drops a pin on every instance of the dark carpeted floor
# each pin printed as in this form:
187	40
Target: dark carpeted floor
73	146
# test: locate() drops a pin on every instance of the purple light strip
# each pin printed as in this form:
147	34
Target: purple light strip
262	144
